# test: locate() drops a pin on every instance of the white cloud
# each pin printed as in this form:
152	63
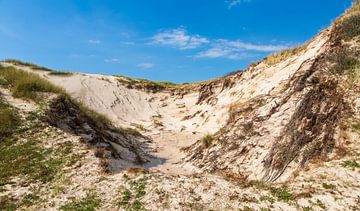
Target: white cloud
113	60
233	3
94	41
236	49
213	48
179	38
146	65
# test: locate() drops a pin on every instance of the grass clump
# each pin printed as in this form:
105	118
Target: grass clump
282	194
131	198
207	140
26	85
350	164
89	203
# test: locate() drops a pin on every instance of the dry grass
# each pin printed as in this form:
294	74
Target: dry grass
283	55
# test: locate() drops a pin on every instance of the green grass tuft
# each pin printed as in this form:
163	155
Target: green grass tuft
350	164
89	203
282	194
207	140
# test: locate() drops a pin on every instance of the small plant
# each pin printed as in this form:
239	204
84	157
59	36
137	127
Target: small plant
207	140
88	203
130	198
350	164
282	194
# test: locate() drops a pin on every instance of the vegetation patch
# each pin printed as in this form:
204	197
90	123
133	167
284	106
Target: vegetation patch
89	203
60	73
147	85
350	164
131	197
28	159
282	194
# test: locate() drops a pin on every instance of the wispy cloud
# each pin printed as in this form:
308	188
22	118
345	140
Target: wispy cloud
179	38
112	60
233	3
146	65
213	48
236	49
94	41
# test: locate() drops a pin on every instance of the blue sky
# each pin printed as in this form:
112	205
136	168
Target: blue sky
172	40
